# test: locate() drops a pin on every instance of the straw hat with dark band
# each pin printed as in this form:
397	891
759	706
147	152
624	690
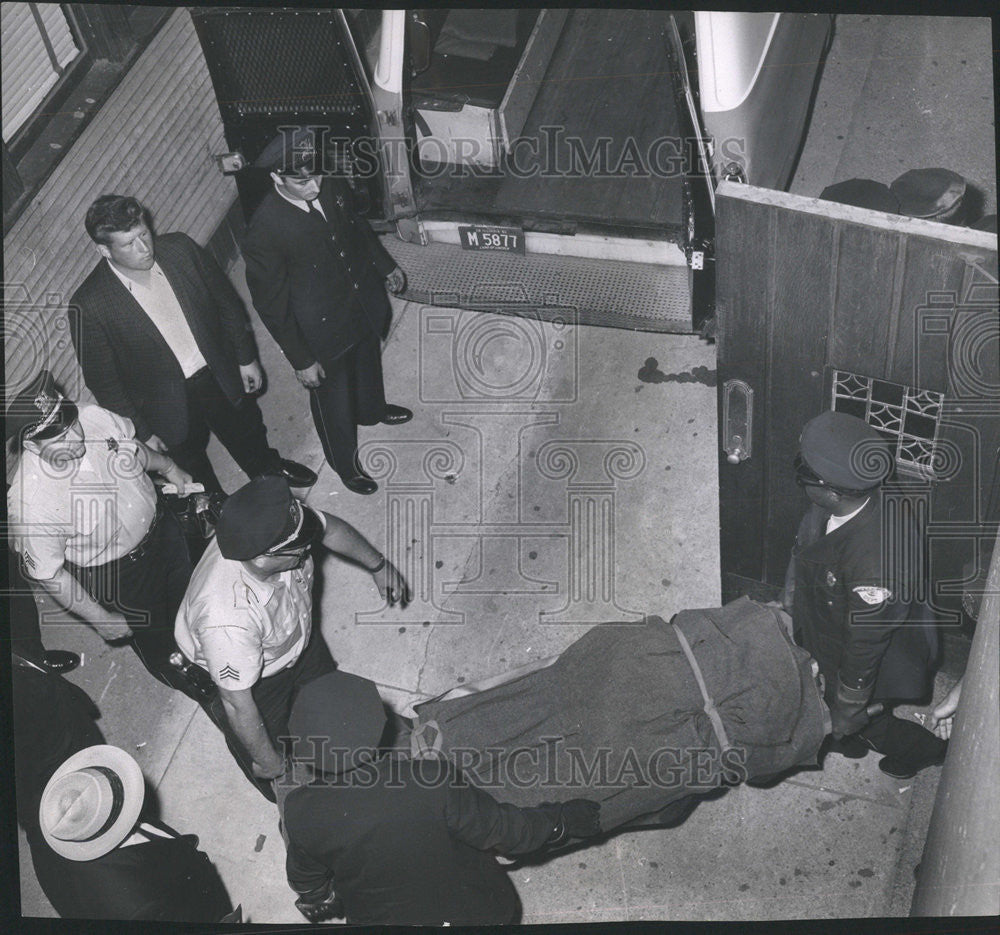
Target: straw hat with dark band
91	803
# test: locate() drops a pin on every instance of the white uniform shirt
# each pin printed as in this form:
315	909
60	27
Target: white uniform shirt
240	628
88	512
152	290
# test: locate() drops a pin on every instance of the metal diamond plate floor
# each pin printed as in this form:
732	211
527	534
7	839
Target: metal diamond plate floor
636	296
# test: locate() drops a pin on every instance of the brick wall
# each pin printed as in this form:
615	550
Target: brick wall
154	139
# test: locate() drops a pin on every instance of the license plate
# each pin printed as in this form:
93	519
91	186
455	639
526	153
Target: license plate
486	237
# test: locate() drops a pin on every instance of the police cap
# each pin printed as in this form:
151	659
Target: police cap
845	451
933	194
40	410
295	151
341	712
263	515
862	193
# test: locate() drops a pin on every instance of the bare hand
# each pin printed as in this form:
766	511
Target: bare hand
940	720
177	476
395	282
261	773
112	626
392	587
252	376
312	376
156	443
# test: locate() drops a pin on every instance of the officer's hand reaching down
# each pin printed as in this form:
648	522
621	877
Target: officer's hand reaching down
321	904
392	587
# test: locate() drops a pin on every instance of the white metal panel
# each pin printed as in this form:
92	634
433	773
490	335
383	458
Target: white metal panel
731	50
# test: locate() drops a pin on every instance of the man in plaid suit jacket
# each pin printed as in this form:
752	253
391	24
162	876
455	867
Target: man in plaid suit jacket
164	340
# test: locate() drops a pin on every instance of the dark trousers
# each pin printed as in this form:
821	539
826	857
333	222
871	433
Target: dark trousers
274	696
351	394
22	614
148	590
239	427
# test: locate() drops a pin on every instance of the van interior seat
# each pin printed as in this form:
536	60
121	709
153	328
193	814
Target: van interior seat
474	55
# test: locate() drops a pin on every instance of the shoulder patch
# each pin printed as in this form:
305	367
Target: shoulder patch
873	595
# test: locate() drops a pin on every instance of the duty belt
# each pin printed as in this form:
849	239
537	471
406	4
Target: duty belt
140	550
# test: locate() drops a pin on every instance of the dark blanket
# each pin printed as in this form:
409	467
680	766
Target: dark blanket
619	716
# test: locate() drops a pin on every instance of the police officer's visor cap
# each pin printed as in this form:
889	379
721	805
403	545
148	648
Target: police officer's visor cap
263	517
40	410
341	712
862	193
295	153
845	452
934	194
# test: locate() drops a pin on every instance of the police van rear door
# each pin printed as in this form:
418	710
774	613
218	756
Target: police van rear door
274	68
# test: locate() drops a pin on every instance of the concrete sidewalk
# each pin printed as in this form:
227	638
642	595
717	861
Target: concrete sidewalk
526	435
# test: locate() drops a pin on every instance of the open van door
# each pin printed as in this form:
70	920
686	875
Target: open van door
895	320
296	67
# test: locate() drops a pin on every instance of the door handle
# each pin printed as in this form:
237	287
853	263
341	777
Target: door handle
737	420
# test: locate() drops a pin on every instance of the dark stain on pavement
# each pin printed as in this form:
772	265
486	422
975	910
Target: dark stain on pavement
650	372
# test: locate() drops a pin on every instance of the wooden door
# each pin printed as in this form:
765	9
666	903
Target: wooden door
824	306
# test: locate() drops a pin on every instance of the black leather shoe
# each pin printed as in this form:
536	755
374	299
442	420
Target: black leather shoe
360	483
851	747
60	660
396	415
297	475
906	765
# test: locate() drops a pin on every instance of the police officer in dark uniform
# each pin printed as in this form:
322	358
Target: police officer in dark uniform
852	589
398	840
318	277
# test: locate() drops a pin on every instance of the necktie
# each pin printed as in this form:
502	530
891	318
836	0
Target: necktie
314	209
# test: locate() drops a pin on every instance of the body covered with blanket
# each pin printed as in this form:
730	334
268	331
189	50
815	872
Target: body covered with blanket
639	716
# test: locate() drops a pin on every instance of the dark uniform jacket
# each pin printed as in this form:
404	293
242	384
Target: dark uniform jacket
855	603
407	842
128	365
319	286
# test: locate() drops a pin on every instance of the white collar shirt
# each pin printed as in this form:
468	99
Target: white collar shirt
88	512
239	628
158	300
299	203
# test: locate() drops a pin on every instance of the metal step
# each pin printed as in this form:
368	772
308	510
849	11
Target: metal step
635	296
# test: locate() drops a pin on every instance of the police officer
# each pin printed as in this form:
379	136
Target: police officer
84	511
247	615
318	277
400	841
851	589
